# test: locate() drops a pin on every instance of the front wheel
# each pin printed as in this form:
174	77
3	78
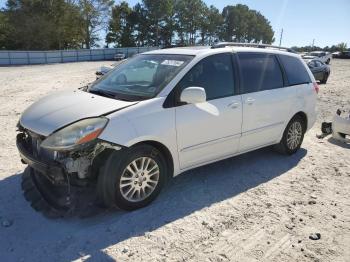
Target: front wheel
133	178
293	136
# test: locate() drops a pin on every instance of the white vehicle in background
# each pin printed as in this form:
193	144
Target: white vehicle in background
119	56
159	114
324	57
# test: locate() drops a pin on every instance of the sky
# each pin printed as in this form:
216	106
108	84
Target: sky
326	22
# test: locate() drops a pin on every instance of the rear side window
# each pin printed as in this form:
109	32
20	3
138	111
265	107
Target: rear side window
259	72
295	70
214	74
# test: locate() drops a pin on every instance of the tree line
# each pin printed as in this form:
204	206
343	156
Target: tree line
334	48
185	22
69	24
52	24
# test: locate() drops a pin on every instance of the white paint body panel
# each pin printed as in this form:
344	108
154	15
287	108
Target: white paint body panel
209	130
63	108
265	115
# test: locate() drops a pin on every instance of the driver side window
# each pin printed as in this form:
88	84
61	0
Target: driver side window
214	74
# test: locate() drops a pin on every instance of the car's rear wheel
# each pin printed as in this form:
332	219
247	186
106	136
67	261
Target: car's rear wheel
325	78
293	136
328	61
132	178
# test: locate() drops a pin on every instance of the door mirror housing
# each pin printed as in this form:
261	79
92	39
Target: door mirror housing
193	95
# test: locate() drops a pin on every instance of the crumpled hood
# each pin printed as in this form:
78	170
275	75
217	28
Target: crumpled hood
60	109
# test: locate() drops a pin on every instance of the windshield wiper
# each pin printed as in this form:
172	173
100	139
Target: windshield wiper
102	93
108	94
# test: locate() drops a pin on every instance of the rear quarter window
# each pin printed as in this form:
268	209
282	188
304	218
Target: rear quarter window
295	70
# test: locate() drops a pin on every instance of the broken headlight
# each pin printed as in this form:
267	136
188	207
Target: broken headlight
76	134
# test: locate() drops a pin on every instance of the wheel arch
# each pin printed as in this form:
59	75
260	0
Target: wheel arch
165	152
304	117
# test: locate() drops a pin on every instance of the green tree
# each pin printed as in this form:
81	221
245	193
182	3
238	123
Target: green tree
189	17
141	25
169	26
242	24
121	26
4	30
157	11
42	25
210	25
95	15
342	47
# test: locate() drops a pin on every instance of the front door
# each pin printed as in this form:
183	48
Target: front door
210	130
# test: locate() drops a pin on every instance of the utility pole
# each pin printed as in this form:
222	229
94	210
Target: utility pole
281	36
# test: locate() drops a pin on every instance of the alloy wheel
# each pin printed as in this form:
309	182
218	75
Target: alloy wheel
139	179
294	135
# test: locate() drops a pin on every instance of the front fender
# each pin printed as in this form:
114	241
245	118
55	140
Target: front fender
146	121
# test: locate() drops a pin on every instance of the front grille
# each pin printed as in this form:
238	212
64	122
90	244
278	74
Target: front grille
33	142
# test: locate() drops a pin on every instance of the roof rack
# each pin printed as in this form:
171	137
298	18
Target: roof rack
225	44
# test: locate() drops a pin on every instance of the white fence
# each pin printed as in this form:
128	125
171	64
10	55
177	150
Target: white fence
62	56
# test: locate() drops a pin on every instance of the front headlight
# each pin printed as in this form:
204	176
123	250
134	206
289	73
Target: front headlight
76	134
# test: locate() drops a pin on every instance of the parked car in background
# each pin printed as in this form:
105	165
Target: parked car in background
344	55
157	115
321	71
336	54
323	56
119	56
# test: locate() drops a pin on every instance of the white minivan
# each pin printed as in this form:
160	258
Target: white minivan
158	114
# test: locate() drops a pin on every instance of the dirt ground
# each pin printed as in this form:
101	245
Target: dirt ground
260	206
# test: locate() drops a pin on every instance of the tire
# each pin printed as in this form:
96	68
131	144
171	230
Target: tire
32	186
115	179
328	61
325	78
285	146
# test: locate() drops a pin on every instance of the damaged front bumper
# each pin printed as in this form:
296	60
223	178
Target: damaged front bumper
60	183
61	167
54	171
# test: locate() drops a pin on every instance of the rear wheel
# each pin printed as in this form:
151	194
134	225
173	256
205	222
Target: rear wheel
133	178
325	78
328	61
293	136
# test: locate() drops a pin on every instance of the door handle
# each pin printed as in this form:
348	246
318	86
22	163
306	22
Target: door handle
250	100
233	104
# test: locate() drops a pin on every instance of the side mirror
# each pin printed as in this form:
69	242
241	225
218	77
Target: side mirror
193	95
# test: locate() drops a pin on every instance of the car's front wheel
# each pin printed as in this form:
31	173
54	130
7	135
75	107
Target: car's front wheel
293	136
132	178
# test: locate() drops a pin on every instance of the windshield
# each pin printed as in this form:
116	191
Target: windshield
142	77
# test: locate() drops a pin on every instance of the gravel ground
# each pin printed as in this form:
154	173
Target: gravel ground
259	206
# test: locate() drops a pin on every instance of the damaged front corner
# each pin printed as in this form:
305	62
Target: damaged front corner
79	162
